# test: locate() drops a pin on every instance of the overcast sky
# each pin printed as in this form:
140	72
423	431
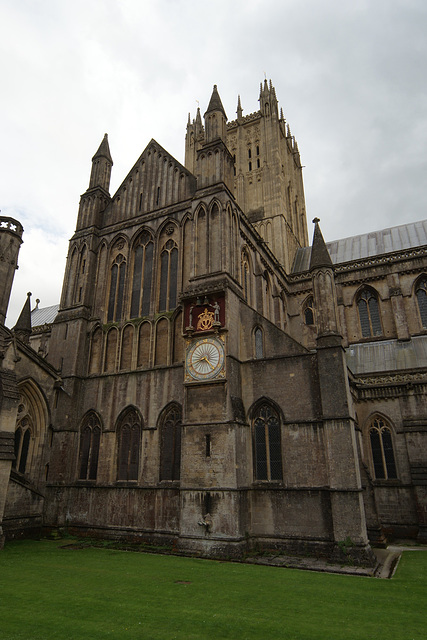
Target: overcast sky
350	77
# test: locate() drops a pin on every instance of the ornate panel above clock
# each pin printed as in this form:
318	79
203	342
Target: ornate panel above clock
204	314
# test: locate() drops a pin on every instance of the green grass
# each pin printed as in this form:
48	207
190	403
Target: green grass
48	592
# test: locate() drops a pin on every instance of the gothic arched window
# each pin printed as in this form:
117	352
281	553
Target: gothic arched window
22	444
170	444
129	439
369	314
309	312
90	438
142	276
168	276
259	348
117	286
245	277
267	443
382	449
421	294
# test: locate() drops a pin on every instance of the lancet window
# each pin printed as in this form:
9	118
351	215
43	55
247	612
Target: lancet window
245	277
170	443
168	276
267	443
309	312
90	438
259	349
382	449
369	315
421	294
142	277
129	439
117	286
22	444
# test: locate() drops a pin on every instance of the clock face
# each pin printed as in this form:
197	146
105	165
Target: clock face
205	359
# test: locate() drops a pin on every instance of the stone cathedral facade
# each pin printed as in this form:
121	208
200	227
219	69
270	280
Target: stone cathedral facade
209	379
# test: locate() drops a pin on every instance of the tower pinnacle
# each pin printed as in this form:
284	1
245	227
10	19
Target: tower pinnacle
101	166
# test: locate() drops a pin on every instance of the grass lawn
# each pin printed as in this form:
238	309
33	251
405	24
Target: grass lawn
48	592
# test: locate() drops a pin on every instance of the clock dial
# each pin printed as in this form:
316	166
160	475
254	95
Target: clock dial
205	359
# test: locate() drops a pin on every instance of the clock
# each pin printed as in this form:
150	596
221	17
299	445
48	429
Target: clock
205	359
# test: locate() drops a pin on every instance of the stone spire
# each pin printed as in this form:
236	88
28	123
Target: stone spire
198	122
325	295
22	328
319	252
215	119
268	100
215	103
101	166
103	150
239	109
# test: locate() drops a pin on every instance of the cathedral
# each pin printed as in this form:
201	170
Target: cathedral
209	380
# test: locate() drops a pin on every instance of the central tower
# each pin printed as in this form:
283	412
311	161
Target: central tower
267	172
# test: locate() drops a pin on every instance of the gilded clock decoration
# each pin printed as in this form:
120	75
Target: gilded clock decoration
205	321
205	359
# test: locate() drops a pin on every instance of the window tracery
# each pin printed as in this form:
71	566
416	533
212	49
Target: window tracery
421	293
309	312
90	438
23	435
369	315
170	443
267	443
382	449
129	441
168	276
117	285
142	276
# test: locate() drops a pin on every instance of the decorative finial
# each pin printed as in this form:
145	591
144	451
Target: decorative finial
316	220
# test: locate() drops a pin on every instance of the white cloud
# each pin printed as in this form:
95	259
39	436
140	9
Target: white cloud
349	76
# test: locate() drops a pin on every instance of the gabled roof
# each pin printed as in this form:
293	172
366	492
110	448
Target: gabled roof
368	245
149	157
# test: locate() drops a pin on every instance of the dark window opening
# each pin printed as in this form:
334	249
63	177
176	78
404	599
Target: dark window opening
142	276
89	448
129	434
208	445
382	450
170	453
422	302
309	312
22	445
117	286
259	351
267	444
168	277
369	315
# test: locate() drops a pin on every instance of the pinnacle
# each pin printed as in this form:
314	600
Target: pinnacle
104	150
319	252
215	103
23	324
